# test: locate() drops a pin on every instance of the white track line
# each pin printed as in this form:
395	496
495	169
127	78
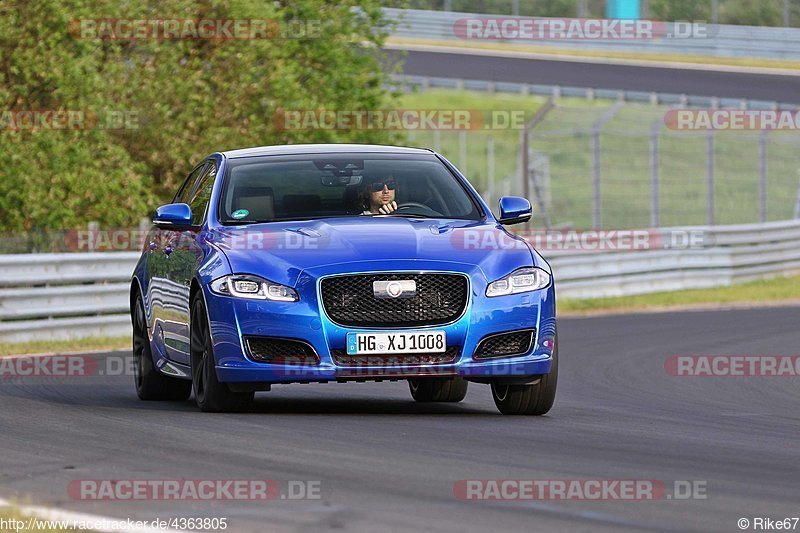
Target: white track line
53	515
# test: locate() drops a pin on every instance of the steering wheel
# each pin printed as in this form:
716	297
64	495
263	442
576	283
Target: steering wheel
425	209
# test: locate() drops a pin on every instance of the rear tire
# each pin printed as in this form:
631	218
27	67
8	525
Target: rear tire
438	389
152	385
211	395
536	399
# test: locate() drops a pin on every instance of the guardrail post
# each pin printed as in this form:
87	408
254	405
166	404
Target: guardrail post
710	178
762	176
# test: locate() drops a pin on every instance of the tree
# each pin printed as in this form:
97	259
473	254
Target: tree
179	99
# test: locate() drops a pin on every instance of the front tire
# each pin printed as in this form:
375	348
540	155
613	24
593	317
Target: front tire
211	395
536	399
152	385
438	389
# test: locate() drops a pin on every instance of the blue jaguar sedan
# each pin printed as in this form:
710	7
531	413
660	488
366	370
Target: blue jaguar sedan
335	263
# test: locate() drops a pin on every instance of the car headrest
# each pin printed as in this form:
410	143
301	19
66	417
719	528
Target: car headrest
351	198
260	201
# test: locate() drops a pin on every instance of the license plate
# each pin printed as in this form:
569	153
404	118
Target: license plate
396	342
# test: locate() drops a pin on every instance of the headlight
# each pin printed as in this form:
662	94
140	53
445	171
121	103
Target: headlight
521	280
254	288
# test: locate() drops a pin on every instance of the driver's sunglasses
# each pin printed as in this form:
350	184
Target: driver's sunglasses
377	186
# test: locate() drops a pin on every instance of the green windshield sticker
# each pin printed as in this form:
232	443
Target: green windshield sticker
241	213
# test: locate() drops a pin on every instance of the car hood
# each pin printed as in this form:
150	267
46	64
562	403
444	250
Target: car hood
281	251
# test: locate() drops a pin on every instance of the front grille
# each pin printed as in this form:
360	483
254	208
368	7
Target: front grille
350	301
281	351
506	344
340	357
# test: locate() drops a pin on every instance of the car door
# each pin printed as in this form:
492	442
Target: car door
170	264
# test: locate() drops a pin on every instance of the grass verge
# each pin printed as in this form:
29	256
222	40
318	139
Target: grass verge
63	346
757	292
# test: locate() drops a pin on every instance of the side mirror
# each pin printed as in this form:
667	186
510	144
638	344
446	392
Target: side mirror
514	210
173	216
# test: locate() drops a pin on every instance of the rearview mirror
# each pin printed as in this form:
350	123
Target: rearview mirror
340	181
514	210
173	216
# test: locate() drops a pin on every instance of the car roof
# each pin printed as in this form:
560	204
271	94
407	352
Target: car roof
296	149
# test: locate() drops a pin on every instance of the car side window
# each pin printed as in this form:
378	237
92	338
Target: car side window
185	192
201	193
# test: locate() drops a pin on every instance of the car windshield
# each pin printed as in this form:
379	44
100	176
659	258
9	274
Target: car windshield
273	188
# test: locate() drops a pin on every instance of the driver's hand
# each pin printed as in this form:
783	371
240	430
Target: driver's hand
388	208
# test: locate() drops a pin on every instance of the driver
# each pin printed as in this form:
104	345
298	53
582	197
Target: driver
378	196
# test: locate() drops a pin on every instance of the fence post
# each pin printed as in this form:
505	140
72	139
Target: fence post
437	140
524	139
597	219
655	213
490	166
762	176
710	178
608	114
525	162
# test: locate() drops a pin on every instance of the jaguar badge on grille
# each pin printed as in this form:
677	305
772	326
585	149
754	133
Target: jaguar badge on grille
406	288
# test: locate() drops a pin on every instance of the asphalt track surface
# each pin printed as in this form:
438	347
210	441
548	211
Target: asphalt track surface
784	89
386	463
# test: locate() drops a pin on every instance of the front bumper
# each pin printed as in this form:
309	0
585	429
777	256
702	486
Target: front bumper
233	319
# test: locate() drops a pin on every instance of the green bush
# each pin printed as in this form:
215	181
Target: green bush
183	98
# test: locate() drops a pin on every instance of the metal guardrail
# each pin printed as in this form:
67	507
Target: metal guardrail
557	91
59	296
722	40
62	296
